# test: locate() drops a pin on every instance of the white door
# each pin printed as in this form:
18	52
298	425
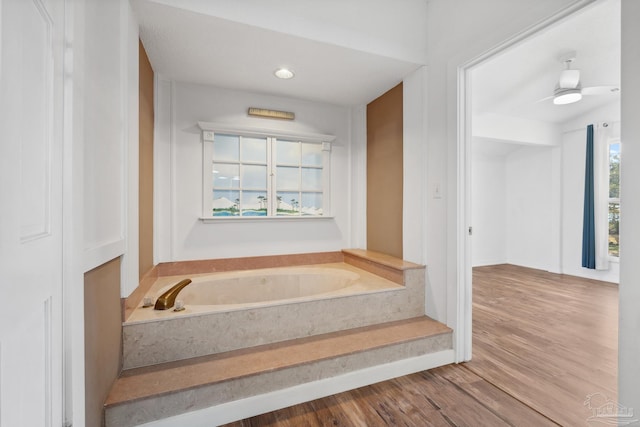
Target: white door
31	52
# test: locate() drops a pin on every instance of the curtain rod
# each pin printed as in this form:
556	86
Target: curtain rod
605	123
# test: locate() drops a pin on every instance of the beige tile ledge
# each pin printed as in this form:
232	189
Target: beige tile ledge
246	263
131	302
157	380
387	266
383	259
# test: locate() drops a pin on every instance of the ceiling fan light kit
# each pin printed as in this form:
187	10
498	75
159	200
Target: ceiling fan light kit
567	96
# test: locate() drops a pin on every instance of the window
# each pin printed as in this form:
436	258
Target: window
614	198
257	175
239	176
298	177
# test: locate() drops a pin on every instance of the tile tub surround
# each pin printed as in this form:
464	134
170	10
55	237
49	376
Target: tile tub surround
377	263
183	337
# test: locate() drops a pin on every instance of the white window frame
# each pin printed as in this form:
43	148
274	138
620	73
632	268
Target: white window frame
208	131
610	142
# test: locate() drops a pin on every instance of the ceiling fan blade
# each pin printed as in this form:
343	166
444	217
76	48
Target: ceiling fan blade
599	90
546	98
569	79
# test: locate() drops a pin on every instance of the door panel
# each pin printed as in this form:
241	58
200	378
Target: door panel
31	212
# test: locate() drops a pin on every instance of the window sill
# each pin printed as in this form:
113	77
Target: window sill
210	220
614	259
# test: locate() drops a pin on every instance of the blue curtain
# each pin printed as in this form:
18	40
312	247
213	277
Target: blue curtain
588	221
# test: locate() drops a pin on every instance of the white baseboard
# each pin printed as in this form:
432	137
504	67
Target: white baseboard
256	405
486	262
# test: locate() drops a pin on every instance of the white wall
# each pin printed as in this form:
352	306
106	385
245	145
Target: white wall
358	176
110	136
103	132
628	342
528	213
512	204
414	99
514	129
182	235
489	207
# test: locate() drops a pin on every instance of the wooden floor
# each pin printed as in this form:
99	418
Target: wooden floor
542	343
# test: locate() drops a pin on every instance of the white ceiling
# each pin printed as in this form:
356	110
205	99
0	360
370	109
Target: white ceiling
342	57
338	56
513	83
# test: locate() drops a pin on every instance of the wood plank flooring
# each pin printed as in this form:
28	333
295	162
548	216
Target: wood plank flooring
542	343
548	340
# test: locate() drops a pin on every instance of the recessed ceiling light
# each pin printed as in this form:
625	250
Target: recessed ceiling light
283	73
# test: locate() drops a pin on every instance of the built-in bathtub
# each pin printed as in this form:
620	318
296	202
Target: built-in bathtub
274	285
230	310
242	290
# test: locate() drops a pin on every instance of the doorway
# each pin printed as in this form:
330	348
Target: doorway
509	115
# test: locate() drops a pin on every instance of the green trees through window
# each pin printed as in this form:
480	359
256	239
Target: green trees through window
614	199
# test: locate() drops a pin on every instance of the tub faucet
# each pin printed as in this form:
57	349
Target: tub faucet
168	299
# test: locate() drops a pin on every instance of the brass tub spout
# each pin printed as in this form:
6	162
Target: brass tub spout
168	299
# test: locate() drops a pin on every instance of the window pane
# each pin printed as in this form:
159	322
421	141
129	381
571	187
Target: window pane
311	179
614	229
614	170
226	176
311	154
311	204
254	150
226	148
226	203
288	153
287	178
254	203
242	167
288	203
254	177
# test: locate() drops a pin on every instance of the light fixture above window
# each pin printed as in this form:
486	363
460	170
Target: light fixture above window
284	73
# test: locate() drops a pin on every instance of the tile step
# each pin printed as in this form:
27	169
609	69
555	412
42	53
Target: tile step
150	393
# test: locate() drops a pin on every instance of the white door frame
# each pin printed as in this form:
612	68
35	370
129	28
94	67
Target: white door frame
464	137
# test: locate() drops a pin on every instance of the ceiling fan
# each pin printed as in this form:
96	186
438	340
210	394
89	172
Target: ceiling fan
569	89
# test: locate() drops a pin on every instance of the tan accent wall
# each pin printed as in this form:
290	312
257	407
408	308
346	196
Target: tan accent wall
102	335
146	119
384	173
